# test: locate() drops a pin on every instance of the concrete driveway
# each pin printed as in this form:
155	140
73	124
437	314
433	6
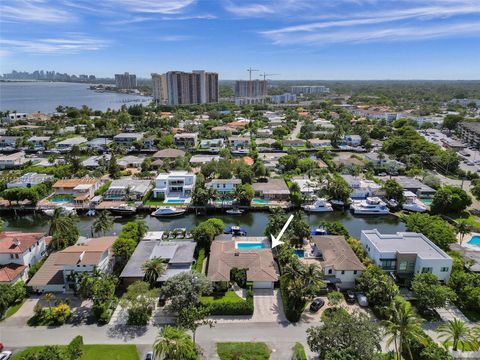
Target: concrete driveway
268	306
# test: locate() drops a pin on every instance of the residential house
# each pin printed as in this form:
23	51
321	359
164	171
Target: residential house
239	141
308	187
384	162
336	259
320	143
130	161
273	189
212	145
38	141
118	189
99	144
362	188
270	160
8	141
12	161
60	271
175	184
19	251
223	185
186	140
81	190
353	140
200	159
405	254
264	133
68	144
14	116
415	186
170	154
28	180
265	144
348	161
178	256
227	252
94	162
294	143
127	139
149	142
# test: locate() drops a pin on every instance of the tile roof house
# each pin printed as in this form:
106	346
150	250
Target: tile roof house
19	251
225	254
169	154
57	273
335	257
273	189
82	189
179	256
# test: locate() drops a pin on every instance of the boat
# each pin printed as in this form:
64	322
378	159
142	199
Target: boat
319	231
412	203
234	212
123	209
338	204
320	205
392	203
235	231
65	210
370	206
168	211
90	212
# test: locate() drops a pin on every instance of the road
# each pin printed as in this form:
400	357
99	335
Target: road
296	131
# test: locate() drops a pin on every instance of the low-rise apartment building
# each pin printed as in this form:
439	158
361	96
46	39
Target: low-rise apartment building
470	133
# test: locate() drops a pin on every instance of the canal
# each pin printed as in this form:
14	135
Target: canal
253	222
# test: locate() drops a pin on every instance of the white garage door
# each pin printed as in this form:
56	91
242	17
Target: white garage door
263	285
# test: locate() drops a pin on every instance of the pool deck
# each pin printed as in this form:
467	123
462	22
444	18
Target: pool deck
466	239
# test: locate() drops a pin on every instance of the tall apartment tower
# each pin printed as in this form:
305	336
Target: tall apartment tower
182	88
251	88
126	81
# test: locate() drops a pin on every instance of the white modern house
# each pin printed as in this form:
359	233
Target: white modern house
28	180
405	254
175	185
19	251
224	185
239	141
68	144
361	188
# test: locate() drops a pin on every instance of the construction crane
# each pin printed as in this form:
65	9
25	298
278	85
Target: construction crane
250	70
265	75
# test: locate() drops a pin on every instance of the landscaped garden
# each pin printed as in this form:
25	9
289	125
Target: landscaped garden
243	351
228	303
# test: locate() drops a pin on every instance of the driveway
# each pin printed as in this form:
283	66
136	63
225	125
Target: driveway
451	312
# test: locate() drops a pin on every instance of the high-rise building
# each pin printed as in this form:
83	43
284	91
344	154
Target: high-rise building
310	89
182	88
125	81
251	88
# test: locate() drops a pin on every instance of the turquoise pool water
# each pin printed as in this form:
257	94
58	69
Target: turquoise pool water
300	253
260	201
61	200
427	201
174	201
250	245
475	240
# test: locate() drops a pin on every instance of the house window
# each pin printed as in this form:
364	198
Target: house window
343	272
354	272
444	269
403	265
330	271
12	256
427	270
29	249
388	264
16	256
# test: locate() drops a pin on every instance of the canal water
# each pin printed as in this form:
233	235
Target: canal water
253	222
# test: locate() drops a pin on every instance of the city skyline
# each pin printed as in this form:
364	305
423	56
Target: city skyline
304	39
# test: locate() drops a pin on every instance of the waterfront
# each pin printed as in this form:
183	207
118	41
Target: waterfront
28	97
253	222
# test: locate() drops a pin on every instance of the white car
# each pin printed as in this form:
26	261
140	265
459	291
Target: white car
5	355
362	300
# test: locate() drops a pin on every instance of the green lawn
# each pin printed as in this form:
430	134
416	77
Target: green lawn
228	303
13	309
243	351
200	260
95	352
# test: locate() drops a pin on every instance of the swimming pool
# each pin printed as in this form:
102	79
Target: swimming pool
474	240
61	200
260	201
250	245
174	201
300	253
427	201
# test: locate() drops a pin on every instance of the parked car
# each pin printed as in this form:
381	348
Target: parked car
149	356
5	355
316	304
362	300
350	297
162	300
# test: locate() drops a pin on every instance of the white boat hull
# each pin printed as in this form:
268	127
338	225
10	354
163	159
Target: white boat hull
318	210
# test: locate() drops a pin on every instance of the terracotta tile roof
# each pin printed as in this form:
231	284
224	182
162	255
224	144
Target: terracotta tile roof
10	272
337	253
248	160
224	257
48	274
25	240
71	183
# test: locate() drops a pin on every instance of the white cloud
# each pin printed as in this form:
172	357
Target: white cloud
154	6
71	44
32	11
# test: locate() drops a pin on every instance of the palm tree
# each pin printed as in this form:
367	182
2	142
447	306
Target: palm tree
404	325
102	223
153	268
174	343
59	223
463	228
456	332
49	297
128	193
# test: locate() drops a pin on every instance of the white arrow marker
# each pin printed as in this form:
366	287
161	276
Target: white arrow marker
276	240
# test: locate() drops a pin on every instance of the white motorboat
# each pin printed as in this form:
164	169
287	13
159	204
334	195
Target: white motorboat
168	211
123	209
234	212
320	205
65	210
370	206
412	203
337	203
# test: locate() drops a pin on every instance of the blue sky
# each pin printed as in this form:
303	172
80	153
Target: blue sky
297	39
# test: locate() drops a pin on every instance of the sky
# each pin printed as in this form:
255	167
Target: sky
294	39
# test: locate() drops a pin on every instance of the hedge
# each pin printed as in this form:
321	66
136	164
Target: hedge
292	313
299	352
200	260
229	304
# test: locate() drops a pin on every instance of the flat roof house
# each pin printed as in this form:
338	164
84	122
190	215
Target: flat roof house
38	140
336	259
179	256
406	253
200	159
414	185
118	188
8	141
57	274
224	185
29	179
69	143
361	188
227	252
273	189
239	141
176	185
19	251
11	161
127	139
186	140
